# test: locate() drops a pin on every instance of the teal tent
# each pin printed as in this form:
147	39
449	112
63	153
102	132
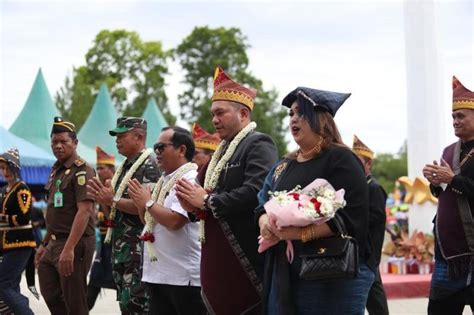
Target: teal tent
102	118
36	118
155	122
35	162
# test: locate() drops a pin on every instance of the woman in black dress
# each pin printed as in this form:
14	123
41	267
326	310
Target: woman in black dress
321	154
17	240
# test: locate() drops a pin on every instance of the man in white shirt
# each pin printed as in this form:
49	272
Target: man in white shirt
173	279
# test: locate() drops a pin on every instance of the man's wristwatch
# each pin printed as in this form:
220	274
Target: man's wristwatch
149	204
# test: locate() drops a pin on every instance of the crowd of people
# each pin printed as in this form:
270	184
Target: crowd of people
179	232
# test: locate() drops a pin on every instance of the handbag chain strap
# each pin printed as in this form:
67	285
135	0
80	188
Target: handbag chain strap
341	227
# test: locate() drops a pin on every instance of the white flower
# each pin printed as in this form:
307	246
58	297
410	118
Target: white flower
159	194
123	184
218	162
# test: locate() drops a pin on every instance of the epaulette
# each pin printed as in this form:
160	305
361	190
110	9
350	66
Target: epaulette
79	162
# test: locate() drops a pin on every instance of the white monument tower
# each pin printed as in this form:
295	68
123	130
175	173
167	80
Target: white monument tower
426	119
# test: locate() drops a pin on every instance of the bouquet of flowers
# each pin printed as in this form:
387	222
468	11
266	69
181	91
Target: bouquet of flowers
314	204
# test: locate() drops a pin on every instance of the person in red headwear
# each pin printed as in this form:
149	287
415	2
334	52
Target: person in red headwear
452	181
101	271
231	268
205	144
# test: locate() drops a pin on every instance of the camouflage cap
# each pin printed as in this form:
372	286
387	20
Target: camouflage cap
125	124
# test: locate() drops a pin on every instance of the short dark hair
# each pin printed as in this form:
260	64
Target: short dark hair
239	106
182	136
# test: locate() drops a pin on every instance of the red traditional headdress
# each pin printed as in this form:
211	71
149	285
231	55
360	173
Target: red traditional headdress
225	89
462	97
103	157
203	139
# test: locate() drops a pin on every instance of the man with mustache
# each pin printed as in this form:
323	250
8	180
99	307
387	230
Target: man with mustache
452	181
65	256
230	265
125	224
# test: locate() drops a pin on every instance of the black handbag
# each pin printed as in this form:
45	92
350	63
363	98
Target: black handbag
330	258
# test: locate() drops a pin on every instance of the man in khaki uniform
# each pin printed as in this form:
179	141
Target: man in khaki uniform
65	255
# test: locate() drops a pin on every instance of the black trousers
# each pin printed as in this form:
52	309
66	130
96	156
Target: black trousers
377	300
167	299
453	304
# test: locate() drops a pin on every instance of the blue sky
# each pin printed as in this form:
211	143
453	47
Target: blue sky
350	46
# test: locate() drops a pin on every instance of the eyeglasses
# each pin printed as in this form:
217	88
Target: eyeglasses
161	146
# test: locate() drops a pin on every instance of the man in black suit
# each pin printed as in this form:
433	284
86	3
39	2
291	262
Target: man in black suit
230	265
377	300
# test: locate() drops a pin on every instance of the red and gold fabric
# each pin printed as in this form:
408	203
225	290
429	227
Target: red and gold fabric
462	97
103	157
361	149
203	139
17	231
226	89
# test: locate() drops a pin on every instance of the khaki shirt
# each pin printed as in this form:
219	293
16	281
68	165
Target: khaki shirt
70	178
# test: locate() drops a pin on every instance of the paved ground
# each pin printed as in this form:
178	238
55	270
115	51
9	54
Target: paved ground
106	304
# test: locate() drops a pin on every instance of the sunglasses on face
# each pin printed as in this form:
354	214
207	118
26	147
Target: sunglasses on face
161	146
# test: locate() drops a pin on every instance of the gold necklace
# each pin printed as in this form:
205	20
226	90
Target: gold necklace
315	150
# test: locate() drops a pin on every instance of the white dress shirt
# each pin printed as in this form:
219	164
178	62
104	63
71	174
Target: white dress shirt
178	252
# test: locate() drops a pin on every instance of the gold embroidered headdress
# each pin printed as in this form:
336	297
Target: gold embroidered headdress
203	139
103	157
225	89
361	149
462	97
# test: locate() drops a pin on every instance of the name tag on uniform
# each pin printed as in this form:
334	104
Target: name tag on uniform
58	199
58	196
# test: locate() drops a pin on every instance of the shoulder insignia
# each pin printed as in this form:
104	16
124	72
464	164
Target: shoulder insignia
81	173
79	162
24	199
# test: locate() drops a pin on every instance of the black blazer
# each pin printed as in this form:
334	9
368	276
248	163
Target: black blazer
377	218
239	183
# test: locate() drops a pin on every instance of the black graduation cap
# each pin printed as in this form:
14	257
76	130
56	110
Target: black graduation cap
326	100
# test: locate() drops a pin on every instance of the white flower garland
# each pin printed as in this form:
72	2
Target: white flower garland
122	186
217	164
158	195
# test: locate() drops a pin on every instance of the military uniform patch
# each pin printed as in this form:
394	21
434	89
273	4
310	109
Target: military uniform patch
24	199
81	180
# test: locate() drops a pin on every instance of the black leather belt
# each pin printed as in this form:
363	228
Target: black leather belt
59	236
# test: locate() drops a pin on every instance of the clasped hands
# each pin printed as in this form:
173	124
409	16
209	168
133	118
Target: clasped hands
190	195
270	232
438	174
99	192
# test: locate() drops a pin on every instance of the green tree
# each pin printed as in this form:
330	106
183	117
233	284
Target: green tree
387	168
133	70
199	54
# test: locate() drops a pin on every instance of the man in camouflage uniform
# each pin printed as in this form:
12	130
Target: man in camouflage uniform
126	244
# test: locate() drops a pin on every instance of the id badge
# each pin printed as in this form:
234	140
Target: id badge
58	199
